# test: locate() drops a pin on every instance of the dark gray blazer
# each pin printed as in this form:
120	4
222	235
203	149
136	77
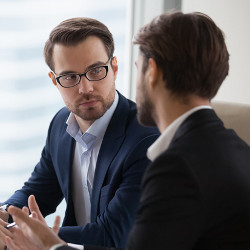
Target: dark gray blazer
196	194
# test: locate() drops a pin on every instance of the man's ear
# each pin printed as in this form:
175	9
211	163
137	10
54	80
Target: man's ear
152	72
52	77
114	65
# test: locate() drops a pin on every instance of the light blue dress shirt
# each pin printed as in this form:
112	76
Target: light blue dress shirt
84	162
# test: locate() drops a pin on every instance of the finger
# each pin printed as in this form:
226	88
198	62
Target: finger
56	225
26	210
3	233
4	215
19	216
14	230
34	207
19	239
10	243
23	220
3	223
34	215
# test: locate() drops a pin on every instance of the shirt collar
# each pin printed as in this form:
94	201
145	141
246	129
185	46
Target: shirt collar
163	142
98	128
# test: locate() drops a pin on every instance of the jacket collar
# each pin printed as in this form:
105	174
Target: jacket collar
202	117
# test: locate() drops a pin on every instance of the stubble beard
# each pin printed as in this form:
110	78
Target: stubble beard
145	108
93	113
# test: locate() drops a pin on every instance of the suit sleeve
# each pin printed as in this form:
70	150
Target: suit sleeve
170	213
112	226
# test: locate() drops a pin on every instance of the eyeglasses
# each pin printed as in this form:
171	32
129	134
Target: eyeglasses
72	79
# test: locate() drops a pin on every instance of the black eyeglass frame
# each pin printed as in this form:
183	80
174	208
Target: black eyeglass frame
83	74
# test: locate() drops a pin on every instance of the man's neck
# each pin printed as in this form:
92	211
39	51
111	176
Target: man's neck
174	108
83	124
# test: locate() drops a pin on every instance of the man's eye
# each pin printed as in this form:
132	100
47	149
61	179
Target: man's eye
96	71
69	77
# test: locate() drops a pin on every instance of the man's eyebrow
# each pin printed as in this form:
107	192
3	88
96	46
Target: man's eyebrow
93	65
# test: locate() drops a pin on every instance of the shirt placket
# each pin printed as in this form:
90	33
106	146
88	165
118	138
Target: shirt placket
88	141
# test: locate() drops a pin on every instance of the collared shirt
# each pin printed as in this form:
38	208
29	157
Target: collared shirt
85	158
162	143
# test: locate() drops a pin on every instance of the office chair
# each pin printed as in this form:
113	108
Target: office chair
235	116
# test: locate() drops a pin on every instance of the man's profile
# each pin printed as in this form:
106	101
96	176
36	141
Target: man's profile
196	192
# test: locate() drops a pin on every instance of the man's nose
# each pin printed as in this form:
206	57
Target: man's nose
85	86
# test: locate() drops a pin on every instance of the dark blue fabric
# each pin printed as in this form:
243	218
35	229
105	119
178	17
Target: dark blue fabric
116	190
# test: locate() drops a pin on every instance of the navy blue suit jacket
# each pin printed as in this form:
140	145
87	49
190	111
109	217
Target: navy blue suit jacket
116	190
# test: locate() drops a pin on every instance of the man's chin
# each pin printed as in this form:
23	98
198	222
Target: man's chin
91	114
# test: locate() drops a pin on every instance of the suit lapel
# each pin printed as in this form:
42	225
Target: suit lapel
64	157
112	141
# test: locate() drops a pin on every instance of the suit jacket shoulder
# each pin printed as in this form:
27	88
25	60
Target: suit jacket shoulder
196	194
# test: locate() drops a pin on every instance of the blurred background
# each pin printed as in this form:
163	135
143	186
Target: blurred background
28	99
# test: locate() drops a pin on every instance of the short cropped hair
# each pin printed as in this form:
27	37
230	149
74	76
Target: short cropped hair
75	30
189	49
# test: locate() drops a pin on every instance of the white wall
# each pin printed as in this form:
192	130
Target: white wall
233	17
143	11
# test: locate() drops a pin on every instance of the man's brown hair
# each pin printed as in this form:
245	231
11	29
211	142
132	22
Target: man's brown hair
75	30
189	49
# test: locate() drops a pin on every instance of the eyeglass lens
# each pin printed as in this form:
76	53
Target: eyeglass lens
95	74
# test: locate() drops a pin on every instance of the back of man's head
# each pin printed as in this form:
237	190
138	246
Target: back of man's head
189	49
75	30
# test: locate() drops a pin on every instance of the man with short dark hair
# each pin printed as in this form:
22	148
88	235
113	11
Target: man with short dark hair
95	153
196	192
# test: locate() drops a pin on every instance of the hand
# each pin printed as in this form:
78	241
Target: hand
20	241
34	230
3	233
17	240
4	215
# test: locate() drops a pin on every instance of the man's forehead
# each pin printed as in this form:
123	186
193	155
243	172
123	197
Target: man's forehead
91	48
90	40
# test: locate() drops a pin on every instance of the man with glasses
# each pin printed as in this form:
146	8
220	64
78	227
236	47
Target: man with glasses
95	152
196	192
